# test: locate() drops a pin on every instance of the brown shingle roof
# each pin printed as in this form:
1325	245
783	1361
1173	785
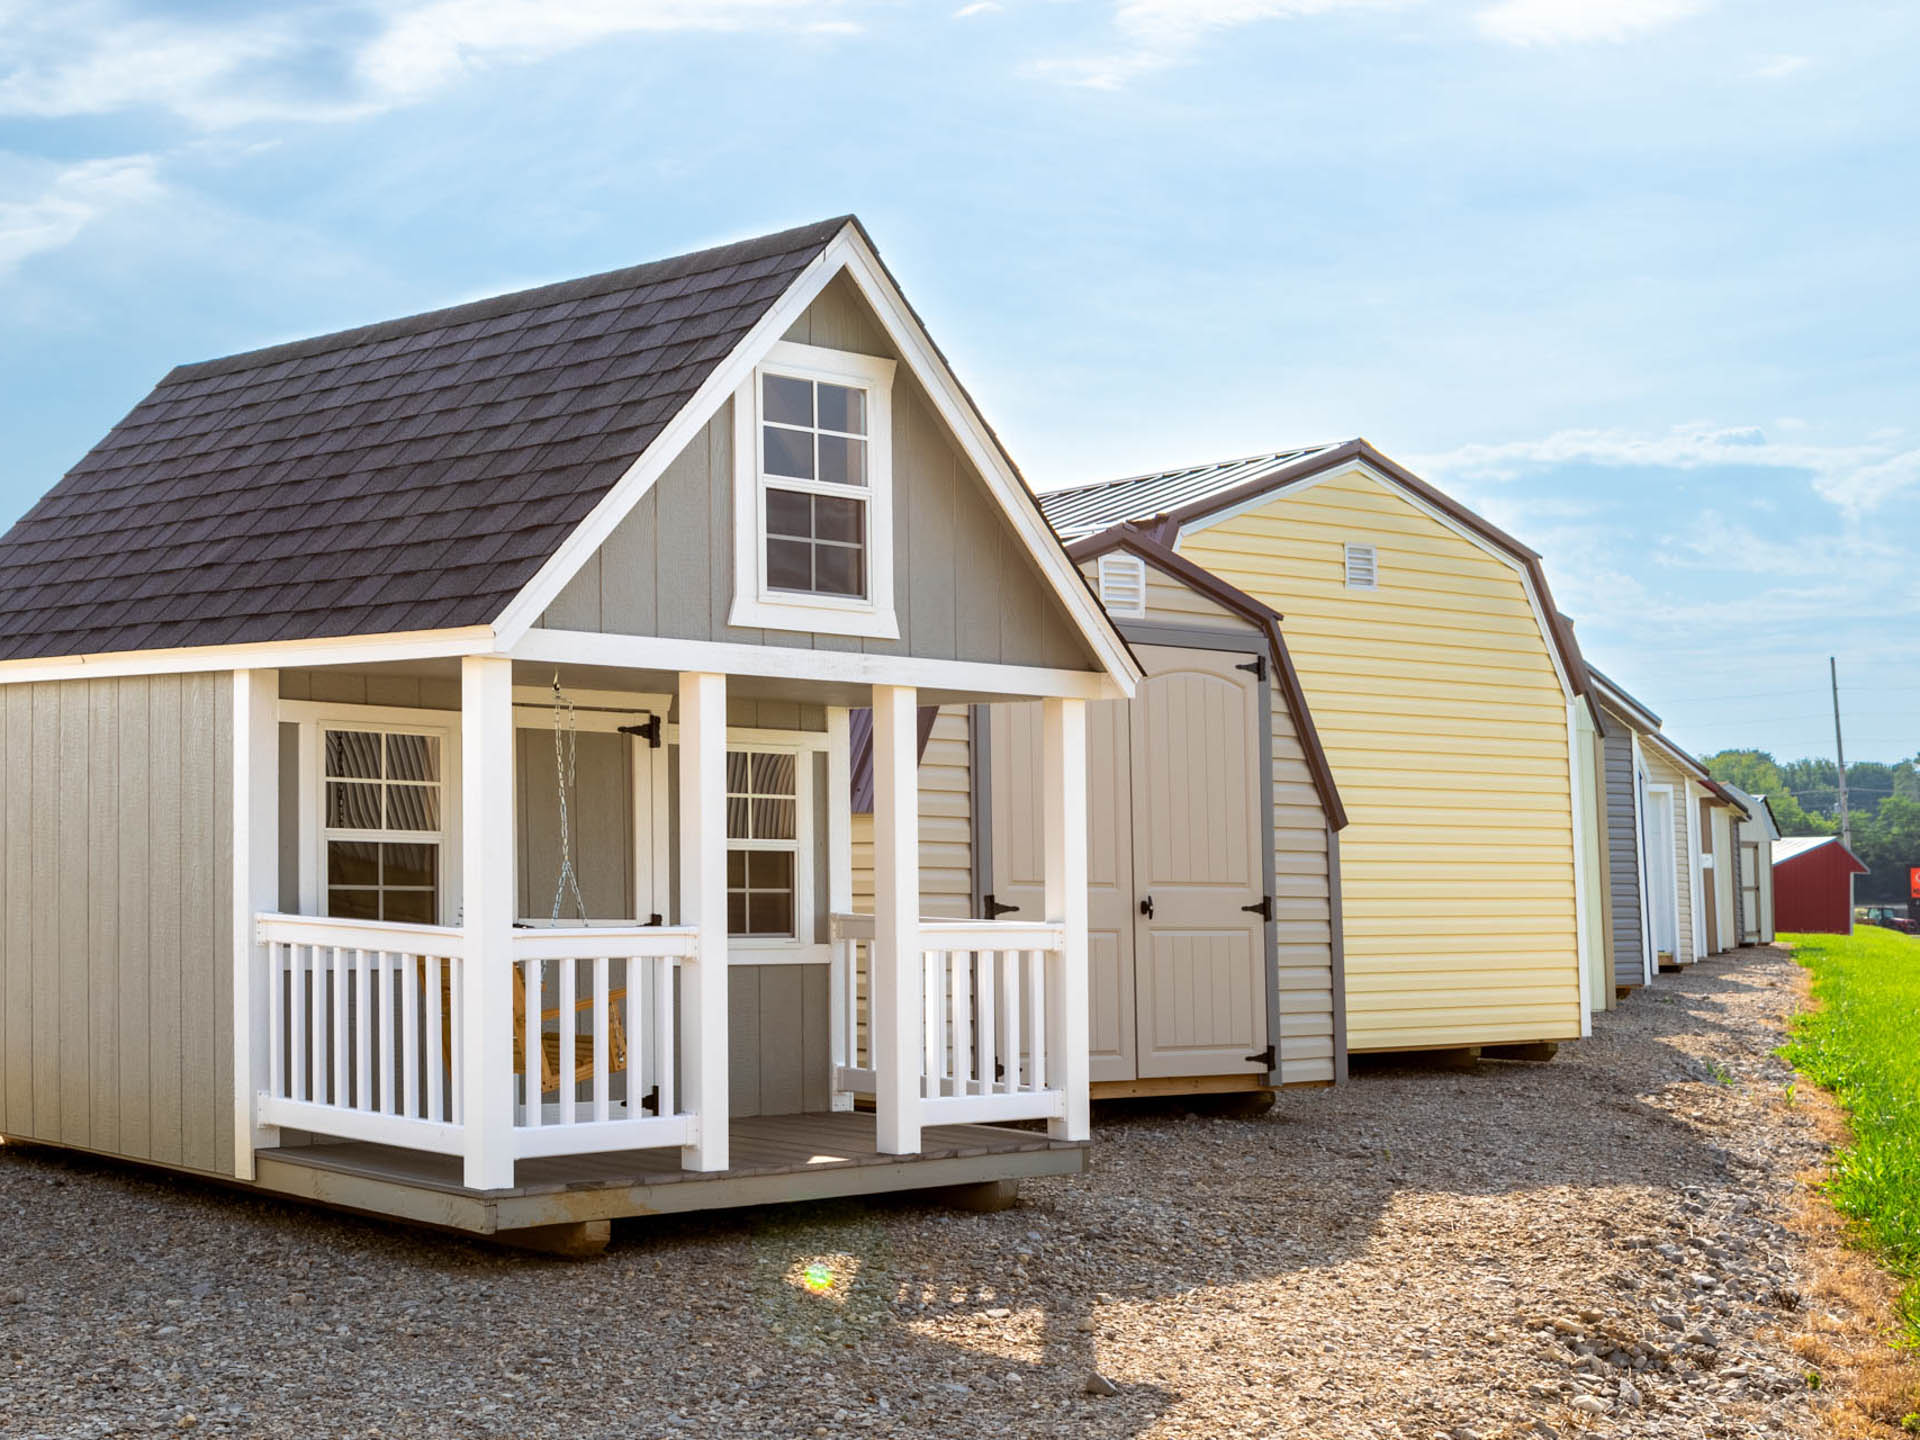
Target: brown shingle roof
408	475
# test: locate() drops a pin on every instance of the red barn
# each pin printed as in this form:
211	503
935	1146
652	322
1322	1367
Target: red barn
1813	884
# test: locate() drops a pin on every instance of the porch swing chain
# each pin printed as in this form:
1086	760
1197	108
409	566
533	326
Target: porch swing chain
566	770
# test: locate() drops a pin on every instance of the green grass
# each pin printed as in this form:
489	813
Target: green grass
1862	1042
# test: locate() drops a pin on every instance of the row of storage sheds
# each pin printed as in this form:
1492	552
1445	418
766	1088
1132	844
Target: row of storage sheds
1688	859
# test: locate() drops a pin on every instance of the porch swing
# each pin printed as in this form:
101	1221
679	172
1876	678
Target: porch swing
566	777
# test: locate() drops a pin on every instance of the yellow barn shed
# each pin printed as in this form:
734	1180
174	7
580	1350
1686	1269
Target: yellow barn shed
1451	699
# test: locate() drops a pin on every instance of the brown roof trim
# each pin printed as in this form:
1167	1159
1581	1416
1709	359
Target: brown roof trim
1611	692
1263	616
1166	527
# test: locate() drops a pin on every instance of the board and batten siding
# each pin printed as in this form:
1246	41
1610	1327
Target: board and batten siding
1437	700
965	587
117	949
1623	856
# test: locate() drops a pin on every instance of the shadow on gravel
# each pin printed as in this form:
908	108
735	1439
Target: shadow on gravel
884	1317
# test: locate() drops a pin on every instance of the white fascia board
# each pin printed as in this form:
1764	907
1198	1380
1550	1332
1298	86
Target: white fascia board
1618	701
646	652
1284	487
846	251
1682	761
271	655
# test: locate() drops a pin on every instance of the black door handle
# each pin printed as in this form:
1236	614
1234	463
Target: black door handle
1146	907
994	908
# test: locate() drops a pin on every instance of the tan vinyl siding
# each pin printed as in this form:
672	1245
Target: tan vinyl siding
117	951
1439	705
1302	910
946	825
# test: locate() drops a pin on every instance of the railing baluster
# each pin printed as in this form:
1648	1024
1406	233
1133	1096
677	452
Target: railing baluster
533	1045
567	1072
960	967
839	1053
436	1094
362	1000
1037	1017
338	1089
457	987
383	973
276	1016
1010	988
410	1036
984	999
663	1054
930	979
602	1042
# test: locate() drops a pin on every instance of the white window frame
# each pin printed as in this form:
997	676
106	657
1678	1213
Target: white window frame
1118	572
1372	561
757	605
314	720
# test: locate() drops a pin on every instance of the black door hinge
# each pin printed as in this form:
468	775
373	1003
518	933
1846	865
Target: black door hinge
1256	667
994	908
656	919
1146	907
1264	1059
1264	909
649	732
651	1100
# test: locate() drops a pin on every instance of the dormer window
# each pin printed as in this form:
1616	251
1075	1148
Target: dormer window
813	493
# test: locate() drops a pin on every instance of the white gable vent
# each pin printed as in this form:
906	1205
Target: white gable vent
1123	585
1363	568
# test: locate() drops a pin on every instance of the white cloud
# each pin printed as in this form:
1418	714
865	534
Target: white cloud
427	46
96	57
1158	34
1855	478
1778	67
1563	22
978	7
73	200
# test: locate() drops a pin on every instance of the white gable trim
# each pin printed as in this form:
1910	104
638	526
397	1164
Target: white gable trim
1284	488
847	251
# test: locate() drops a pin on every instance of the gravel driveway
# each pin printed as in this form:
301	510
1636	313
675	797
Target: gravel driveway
1594	1245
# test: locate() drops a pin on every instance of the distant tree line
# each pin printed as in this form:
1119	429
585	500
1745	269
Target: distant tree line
1882	800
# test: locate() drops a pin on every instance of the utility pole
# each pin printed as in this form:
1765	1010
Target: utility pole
1840	754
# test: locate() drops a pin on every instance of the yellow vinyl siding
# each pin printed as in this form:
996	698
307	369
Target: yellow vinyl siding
1445	721
946	825
1173	602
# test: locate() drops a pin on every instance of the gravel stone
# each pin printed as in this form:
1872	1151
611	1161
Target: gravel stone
1419	1253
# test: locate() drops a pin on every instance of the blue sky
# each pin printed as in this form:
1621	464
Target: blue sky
1635	278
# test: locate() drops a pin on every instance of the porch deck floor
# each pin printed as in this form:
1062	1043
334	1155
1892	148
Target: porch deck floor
775	1158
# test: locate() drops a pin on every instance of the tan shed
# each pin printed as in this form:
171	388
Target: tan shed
1213	910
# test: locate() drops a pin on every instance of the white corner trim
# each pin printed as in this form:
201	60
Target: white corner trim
849	252
755	605
1577	765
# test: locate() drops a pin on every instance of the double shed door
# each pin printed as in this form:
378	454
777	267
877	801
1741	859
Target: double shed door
1176	802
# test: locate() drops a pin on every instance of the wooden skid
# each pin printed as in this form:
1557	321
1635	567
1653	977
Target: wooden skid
776	1159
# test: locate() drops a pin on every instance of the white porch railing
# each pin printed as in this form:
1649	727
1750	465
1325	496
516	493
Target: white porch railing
364	1034
984	1042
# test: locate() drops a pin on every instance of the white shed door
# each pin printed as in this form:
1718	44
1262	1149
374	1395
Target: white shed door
1199	955
1019	877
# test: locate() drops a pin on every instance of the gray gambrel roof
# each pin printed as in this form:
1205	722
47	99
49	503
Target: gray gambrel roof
412	475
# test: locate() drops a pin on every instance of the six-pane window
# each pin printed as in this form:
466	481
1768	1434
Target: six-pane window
383	809
762	841
813	466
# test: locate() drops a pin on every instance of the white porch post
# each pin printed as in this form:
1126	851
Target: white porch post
894	995
256	889
1065	779
487	886
703	905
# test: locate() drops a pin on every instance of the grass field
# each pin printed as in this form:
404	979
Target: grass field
1862	1042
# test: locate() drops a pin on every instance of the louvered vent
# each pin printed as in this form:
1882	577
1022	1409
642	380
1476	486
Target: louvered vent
1123	585
1363	568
